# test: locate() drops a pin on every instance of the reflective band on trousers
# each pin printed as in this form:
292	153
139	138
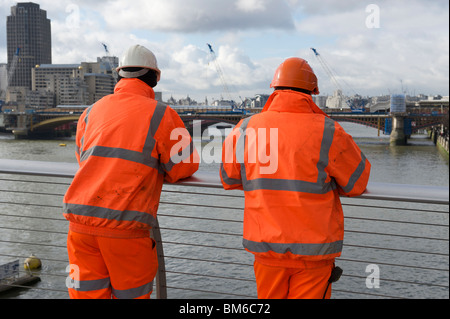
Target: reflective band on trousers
133	292
295	248
92	285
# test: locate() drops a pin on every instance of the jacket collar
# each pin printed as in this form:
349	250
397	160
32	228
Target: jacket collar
293	102
134	86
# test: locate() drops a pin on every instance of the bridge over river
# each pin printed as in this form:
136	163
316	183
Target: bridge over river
44	123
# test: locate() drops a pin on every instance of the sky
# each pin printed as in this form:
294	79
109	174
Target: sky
372	47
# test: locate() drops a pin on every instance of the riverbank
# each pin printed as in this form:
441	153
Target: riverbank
442	144
440	137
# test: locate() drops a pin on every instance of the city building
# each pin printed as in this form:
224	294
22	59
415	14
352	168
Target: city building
259	100
222	102
28	34
336	101
60	80
39	99
72	84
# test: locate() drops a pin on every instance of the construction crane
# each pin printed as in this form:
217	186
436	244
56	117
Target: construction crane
13	66
222	78
111	66
10	74
356	103
326	68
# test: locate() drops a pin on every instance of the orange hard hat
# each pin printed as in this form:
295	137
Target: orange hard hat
295	73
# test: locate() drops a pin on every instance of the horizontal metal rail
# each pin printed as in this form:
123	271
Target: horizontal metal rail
401	229
378	191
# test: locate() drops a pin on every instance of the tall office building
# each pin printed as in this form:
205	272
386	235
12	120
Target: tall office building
28	35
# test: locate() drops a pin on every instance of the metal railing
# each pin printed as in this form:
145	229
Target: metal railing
396	237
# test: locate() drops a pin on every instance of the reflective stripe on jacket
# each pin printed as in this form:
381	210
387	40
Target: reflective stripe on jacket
125	151
293	212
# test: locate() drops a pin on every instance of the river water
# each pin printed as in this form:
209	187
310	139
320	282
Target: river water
420	163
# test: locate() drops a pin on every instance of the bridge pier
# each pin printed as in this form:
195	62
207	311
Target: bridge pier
398	136
20	134
398	113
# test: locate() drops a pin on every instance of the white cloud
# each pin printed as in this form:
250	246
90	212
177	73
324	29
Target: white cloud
251	37
311	7
411	45
197	15
251	5
196	70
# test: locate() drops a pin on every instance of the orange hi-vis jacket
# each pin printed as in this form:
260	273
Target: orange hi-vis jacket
126	149
293	162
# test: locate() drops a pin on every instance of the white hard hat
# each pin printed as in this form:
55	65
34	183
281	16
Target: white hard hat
138	56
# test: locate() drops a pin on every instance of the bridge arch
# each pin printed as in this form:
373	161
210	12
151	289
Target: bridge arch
374	124
53	123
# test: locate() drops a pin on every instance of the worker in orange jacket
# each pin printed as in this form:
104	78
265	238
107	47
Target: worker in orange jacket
127	145
293	162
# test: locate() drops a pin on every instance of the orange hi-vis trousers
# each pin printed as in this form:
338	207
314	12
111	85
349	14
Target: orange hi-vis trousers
308	282
105	268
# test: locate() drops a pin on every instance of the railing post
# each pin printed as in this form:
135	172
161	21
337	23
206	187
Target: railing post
161	292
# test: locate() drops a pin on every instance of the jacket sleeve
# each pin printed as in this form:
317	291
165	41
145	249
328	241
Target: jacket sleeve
230	168
178	156
81	127
348	164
